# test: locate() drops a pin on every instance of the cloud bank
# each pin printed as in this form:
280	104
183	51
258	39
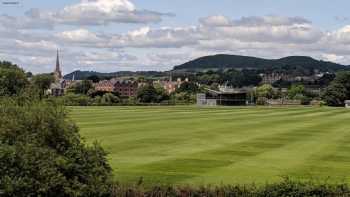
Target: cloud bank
85	34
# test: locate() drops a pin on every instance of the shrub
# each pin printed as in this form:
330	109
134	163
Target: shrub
109	99
42	154
261	101
77	100
284	188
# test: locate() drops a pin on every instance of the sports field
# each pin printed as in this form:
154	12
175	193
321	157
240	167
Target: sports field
190	145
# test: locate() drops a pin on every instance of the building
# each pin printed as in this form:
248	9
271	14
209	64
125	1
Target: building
347	104
57	87
58	72
126	88
171	86
274	77
105	86
225	96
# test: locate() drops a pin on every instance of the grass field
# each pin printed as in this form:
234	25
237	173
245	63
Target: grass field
190	145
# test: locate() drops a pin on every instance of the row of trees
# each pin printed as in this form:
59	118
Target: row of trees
84	94
294	92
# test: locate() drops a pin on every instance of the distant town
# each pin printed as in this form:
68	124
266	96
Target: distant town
284	85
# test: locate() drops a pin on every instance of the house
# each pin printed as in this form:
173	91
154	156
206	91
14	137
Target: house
104	86
171	86
347	104
56	89
126	88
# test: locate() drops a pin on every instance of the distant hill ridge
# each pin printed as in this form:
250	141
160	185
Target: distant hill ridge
223	61
79	75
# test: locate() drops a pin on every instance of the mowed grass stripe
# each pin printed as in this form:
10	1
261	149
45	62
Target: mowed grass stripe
193	125
283	156
167	119
227	155
208	144
132	146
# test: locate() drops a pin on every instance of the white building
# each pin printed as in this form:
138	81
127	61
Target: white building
347	104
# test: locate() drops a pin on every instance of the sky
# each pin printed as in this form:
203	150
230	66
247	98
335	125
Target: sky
119	35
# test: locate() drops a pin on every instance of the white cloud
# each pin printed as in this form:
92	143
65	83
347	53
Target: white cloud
160	48
103	12
80	36
217	20
86	12
156	38
332	57
341	36
261	29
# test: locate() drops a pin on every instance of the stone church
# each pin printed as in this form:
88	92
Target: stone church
56	88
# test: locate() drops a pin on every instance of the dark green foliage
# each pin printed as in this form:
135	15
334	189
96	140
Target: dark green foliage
285	188
188	87
13	80
298	65
230	77
326	79
41	153
94	78
77	100
94	94
42	82
109	99
335	95
184	98
338	91
151	94
81	75
82	87
296	91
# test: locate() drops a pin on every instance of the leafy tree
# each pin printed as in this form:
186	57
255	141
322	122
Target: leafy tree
148	94
339	90
335	94
265	91
43	82
109	98
82	88
188	87
13	80
185	97
42	154
296	90
29	74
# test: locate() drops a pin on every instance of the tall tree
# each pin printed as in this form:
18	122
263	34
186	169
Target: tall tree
265	91
148	94
339	90
43	82
13	80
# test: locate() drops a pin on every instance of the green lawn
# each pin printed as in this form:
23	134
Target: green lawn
190	145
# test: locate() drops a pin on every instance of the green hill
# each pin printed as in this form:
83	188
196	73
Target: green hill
80	75
245	62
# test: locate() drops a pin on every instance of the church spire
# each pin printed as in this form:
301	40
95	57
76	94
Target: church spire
58	72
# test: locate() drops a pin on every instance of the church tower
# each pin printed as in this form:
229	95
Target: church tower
58	72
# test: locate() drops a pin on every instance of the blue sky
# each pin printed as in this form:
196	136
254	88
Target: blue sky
112	35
